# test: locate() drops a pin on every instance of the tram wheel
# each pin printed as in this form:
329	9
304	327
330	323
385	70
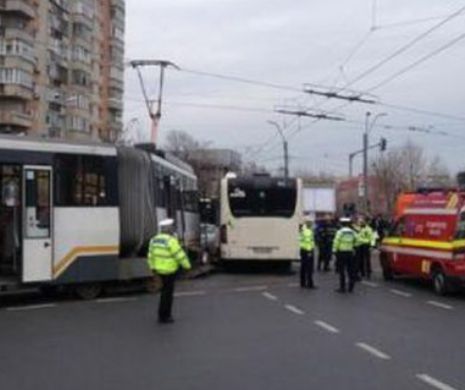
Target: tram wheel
88	291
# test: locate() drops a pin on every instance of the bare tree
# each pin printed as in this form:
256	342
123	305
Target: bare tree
406	169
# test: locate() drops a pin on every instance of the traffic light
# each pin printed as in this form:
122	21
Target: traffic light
383	144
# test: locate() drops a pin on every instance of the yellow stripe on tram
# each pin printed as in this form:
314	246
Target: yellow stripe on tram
71	256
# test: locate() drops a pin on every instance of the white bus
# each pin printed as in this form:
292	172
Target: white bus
81	215
259	218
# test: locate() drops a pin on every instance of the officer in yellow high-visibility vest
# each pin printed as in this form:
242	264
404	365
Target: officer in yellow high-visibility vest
307	246
165	257
366	238
344	248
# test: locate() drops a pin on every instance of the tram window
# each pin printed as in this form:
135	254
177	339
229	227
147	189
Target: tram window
85	181
37	204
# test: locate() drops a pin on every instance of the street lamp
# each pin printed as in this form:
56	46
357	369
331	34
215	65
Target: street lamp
286	156
368	127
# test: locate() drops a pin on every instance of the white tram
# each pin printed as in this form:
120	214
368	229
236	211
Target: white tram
81	215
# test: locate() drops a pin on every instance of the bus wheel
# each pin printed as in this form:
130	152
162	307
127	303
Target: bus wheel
440	282
88	291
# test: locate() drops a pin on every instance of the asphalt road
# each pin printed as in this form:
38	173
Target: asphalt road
239	331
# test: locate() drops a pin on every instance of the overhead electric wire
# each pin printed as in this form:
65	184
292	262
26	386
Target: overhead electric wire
418	62
404	48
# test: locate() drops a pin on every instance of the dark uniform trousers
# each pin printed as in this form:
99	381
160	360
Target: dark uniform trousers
306	268
365	260
346	266
166	296
324	256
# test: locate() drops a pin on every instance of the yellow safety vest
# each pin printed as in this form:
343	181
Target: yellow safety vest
345	240
165	255
306	239
366	235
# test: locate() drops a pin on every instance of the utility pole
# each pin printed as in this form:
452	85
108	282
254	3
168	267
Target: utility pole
368	127
285	148
155	116
382	144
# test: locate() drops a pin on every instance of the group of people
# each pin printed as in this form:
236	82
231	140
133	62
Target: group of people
350	241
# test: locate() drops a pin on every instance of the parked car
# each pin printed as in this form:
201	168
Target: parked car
209	237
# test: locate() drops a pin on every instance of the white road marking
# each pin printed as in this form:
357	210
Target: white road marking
293	284
434	382
189	293
372	350
116	300
31	307
294	309
440	304
327	326
269	296
370	284
250	288
401	293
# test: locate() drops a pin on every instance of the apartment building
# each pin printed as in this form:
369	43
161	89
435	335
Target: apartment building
61	68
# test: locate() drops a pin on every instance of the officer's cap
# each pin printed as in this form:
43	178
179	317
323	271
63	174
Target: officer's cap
166	222
345	220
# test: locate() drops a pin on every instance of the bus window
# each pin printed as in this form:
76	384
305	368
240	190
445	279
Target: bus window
252	199
461	227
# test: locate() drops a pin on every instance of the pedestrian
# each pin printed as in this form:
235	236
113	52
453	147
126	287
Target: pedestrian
165	257
357	251
307	246
325	237
366	239
343	248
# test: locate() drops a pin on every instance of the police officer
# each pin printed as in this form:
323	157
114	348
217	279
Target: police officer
164	258
307	246
366	239
356	227
343	248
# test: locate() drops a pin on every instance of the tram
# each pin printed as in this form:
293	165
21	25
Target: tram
81	215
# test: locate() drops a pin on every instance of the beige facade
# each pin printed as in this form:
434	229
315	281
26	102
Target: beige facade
62	68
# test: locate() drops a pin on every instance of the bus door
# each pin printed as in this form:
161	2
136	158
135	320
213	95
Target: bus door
37	223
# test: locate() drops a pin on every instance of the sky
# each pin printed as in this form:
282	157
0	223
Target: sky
288	44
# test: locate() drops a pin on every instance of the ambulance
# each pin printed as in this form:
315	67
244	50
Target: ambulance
428	240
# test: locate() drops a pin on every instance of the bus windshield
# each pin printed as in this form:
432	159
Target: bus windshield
262	197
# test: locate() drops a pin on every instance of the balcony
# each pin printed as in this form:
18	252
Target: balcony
15	119
115	104
18	7
14	91
118	4
16	33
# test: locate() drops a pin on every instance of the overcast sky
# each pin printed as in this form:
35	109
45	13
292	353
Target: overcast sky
292	43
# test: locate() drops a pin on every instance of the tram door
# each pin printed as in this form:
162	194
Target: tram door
37	223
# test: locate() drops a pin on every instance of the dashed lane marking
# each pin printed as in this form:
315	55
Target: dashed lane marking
250	288
116	300
373	351
31	307
440	304
269	296
189	293
400	293
370	284
434	382
294	309
326	326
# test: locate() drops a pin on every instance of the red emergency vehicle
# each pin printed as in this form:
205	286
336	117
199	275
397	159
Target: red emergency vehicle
428	240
